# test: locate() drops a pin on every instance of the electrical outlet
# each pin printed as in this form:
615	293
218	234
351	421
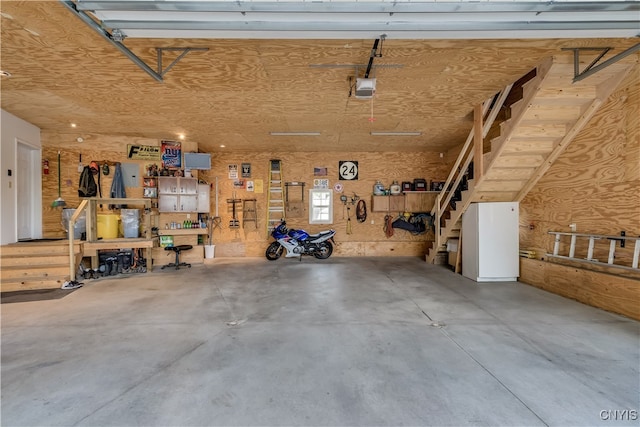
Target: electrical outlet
188	216
372	222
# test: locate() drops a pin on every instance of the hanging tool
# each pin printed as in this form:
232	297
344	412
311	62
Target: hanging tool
80	167
59	202
216	220
352	202
233	222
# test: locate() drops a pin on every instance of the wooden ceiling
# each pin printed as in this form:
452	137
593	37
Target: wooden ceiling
238	91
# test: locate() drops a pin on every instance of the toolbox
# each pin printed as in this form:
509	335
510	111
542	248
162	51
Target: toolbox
407	186
419	184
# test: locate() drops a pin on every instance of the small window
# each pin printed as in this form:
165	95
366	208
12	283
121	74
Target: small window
320	207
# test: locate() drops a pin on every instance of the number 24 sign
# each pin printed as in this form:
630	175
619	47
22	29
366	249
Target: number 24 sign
348	170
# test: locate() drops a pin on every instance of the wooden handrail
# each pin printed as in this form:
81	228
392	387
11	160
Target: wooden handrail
466	155
72	252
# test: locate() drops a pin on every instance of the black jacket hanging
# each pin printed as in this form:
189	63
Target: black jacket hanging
87	186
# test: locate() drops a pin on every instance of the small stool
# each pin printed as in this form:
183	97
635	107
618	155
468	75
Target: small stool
177	250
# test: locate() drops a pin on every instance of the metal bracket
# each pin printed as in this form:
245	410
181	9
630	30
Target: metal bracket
184	51
593	68
116	37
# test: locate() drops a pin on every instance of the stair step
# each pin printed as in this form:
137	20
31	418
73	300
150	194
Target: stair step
544	130
20	260
12	285
496	173
545	112
47	271
518	161
495	196
527	145
39	248
567	92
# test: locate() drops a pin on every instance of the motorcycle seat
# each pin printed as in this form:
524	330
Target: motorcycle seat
322	233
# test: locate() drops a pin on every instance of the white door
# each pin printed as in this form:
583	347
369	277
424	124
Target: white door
25	191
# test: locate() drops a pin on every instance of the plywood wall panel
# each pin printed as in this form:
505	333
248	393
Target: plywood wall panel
368	238
299	167
96	147
617	294
595	184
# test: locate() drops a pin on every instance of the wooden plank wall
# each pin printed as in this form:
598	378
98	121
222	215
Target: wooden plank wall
595	184
617	294
368	238
96	147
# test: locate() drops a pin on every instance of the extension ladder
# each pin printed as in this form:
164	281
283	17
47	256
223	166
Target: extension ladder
275	199
614	241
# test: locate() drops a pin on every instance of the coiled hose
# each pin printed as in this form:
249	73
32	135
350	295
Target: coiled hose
388	225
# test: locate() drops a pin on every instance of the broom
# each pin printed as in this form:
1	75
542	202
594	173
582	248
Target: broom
59	202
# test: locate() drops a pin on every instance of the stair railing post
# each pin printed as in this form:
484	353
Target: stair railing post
438	213
478	166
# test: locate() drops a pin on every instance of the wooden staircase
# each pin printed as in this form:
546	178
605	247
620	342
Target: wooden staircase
542	124
35	265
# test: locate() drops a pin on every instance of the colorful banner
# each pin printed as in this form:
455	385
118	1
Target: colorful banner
171	154
143	152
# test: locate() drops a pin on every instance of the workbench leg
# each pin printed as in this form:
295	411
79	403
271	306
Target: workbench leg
95	262
147	255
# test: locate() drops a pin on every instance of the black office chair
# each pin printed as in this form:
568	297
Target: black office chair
177	249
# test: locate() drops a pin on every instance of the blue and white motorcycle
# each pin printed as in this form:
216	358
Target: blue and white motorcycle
299	242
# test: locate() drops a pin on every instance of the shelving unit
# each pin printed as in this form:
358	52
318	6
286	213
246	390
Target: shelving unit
409	201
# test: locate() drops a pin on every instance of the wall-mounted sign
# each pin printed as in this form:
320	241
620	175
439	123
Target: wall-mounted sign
233	171
320	183
250	186
246	170
348	170
143	152
171	154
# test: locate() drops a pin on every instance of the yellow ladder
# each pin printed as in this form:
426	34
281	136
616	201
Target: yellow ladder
275	199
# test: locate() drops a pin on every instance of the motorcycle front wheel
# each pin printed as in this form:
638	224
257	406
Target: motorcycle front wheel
274	251
324	251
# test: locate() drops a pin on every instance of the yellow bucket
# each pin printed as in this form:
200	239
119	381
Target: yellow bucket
108	226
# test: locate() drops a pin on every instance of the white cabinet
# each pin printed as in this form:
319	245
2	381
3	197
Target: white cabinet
177	194
490	242
203	198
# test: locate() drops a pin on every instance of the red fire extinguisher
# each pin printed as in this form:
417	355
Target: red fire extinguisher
45	167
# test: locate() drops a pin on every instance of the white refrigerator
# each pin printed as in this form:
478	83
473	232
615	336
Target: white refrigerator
490	242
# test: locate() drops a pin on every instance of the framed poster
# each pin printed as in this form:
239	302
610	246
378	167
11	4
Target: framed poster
246	170
171	154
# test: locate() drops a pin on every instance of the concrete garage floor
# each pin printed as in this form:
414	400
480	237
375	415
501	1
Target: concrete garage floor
366	341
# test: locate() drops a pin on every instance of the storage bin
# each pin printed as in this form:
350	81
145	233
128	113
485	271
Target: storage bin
108	226
209	251
130	220
79	228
